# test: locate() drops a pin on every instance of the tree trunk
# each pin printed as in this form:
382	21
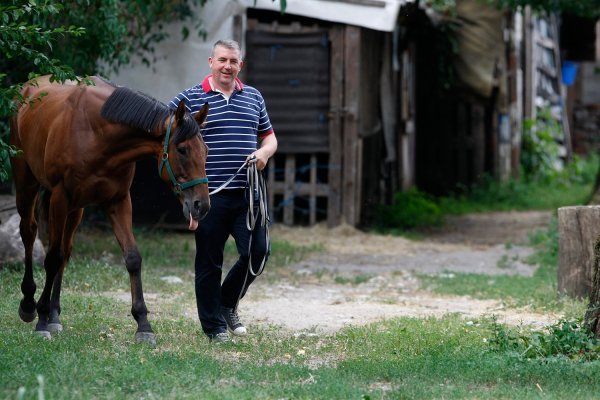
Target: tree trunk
578	229
592	315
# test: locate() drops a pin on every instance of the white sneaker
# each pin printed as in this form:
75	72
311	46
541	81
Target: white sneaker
233	321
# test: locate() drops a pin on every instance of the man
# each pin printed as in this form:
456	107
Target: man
237	131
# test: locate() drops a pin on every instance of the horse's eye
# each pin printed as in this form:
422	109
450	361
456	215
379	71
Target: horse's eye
182	150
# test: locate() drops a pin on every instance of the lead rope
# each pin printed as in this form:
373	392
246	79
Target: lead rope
256	184
257	192
256	188
228	181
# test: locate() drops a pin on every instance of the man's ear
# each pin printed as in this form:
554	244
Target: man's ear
200	116
180	110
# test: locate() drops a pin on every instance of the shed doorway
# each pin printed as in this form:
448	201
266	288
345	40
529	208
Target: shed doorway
291	70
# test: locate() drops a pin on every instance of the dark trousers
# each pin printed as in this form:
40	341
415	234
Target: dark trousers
227	216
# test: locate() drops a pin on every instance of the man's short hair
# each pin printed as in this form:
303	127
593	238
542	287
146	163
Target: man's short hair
228	44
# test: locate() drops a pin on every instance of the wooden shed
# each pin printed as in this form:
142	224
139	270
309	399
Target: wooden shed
334	92
361	96
364	111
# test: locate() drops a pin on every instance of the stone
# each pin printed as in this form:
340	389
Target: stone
11	246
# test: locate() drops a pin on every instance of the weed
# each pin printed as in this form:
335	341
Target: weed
566	338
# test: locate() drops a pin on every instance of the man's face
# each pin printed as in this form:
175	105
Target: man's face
225	64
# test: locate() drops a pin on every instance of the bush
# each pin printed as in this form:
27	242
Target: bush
411	209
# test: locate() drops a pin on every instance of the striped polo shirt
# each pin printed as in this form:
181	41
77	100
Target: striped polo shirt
232	128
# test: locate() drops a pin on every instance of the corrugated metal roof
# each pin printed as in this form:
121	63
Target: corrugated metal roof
380	15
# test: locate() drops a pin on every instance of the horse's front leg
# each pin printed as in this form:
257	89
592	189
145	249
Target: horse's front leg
119	214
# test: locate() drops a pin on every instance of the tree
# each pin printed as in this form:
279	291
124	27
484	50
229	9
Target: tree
19	42
40	37
75	38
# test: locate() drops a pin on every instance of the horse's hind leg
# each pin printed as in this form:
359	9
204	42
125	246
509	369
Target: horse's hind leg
120	218
26	194
55	257
73	220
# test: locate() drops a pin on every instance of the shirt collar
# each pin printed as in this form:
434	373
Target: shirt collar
207	87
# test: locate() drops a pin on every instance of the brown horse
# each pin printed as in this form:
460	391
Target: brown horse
80	144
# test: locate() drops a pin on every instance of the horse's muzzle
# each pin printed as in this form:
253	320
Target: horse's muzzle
201	208
194	211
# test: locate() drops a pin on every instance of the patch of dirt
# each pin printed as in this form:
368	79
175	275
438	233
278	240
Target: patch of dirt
492	243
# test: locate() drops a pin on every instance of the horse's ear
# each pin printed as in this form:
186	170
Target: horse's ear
200	116
180	110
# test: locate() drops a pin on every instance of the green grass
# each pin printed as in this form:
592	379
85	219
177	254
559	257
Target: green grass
405	358
96	357
516	195
572	186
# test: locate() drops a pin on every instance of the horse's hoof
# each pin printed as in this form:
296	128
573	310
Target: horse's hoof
55	327
145	337
43	334
27	316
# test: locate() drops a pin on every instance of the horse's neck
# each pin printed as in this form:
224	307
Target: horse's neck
128	144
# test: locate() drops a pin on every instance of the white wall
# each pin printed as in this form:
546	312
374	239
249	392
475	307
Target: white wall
181	64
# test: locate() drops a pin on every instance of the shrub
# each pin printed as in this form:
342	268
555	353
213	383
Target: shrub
410	209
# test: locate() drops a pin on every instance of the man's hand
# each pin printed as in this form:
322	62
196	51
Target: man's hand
268	147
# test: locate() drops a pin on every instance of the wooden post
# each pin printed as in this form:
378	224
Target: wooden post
529	84
578	229
336	103
288	196
312	199
350	161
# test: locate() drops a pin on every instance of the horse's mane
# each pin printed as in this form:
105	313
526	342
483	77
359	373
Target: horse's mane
141	111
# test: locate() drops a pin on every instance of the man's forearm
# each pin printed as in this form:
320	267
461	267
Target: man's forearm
269	145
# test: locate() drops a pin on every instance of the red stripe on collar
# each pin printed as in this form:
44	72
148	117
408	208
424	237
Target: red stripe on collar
207	87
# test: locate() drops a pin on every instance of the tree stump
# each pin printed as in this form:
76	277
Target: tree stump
592	315
578	229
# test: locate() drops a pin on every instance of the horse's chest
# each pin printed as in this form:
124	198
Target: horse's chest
98	187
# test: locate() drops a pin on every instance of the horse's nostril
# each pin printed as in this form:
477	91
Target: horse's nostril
201	208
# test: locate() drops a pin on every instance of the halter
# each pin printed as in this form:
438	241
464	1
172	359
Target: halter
177	187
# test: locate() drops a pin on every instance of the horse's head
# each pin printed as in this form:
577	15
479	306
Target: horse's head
183	162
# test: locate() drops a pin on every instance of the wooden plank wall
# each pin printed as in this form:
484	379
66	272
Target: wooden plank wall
342	191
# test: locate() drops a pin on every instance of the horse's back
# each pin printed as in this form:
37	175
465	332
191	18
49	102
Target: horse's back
51	105
44	127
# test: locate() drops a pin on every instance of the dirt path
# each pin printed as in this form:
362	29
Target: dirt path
383	271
